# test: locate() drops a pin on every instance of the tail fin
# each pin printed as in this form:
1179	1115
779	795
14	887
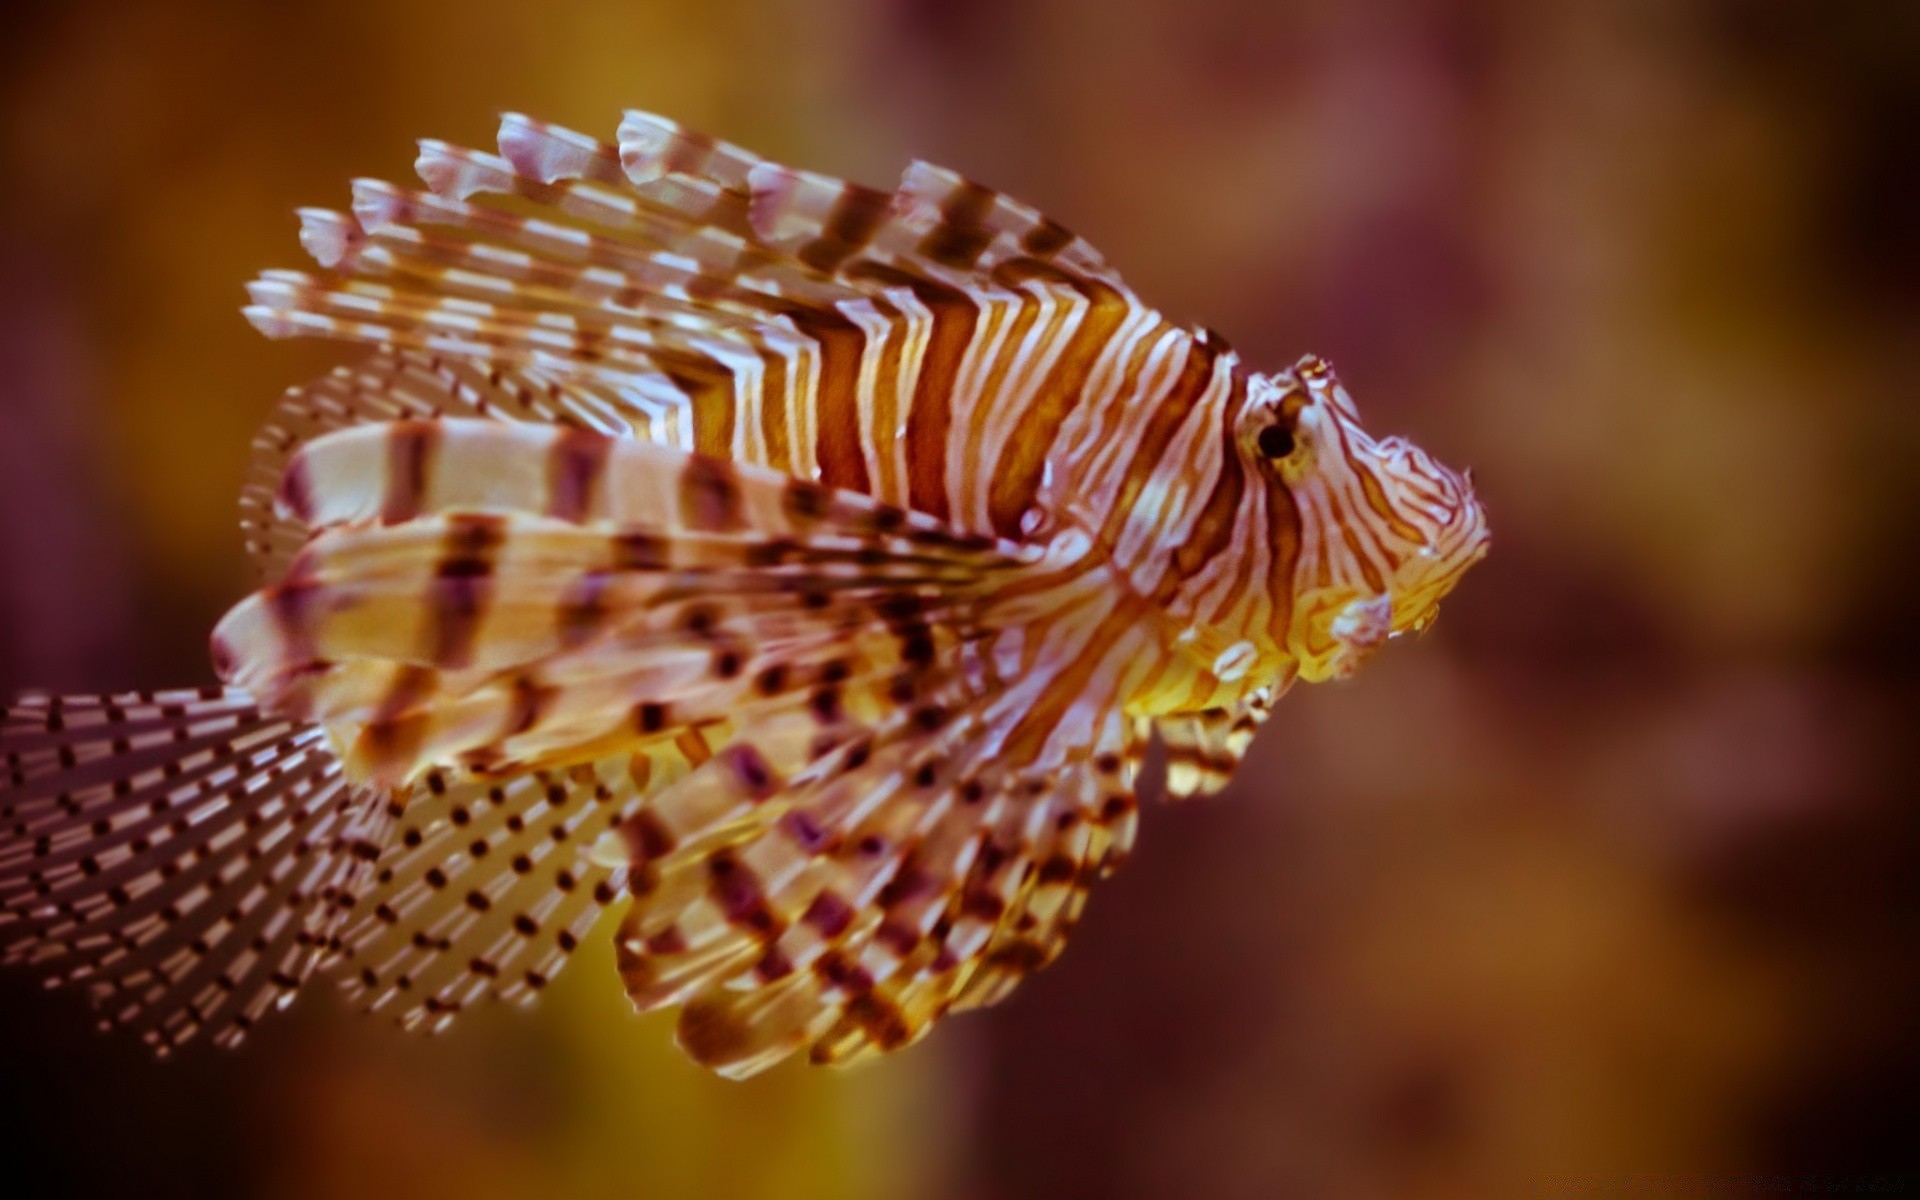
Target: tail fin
181	856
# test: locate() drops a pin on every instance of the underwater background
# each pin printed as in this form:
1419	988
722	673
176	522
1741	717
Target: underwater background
1614	871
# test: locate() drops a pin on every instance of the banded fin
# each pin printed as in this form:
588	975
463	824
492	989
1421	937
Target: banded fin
485	888
1204	748
882	892
936	225
753	312
470	631
179	856
779	701
401	386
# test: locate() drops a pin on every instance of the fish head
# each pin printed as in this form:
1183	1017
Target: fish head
1379	531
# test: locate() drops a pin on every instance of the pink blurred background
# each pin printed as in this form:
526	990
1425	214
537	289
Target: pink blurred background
1613	871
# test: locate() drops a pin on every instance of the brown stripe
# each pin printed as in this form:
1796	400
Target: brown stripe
930	417
574	467
982	904
842	972
640	552
1378	502
1283	544
1059	868
530	699
737	892
692	745
856	216
297	605
709	496
773	965
1046	239
647	837
1213	530
1170	411
1019	956
295	497
1017	475
583	610
709	1033
1368	569
829	914
898	937
388	748
837	398
961	235
709	391
1021	323
885	401
1071	681
751	771
410	446
463	579
773	410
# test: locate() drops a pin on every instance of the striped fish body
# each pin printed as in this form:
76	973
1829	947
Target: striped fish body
803	565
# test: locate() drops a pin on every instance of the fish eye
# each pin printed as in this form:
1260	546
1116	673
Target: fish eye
1276	440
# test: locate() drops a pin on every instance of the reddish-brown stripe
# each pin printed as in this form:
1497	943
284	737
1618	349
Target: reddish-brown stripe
583	609
709	1033
738	894
885	402
647	837
1046	239
1213	530
773	410
1071	683
837	398
1283	543
530	699
849	227
930	419
390	743
829	914
295	496
692	745
710	496
297	606
410	446
709	392
1170	411
1369	570
961	234
462	580
1017	476
574	468
1378	502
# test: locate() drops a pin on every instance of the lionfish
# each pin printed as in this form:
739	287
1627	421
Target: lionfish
806	566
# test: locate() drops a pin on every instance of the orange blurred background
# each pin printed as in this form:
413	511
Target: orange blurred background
1614	871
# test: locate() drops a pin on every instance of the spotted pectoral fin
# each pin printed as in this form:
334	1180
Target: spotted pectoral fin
486	887
179	856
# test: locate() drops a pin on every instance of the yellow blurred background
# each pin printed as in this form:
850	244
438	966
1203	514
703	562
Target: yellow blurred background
1612	872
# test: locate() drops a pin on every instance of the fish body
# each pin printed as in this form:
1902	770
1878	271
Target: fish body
803	566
